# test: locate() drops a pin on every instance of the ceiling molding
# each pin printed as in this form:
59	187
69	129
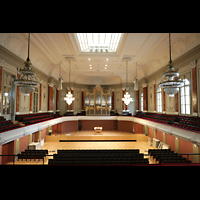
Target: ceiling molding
150	50
17	62
180	62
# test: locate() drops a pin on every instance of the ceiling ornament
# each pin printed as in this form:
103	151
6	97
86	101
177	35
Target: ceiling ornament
171	81
69	96
26	77
127	97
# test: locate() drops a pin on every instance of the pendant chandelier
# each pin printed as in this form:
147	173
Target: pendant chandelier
127	99
171	81
69	96
27	81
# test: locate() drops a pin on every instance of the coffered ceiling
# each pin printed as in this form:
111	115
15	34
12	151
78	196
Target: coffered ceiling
149	50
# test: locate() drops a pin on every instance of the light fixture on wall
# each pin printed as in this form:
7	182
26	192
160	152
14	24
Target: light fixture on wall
136	80
127	99
171	82
69	96
27	81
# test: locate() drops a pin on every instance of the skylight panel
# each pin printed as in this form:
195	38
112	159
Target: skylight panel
98	42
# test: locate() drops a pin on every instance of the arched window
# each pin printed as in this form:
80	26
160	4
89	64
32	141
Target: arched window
159	100
185	97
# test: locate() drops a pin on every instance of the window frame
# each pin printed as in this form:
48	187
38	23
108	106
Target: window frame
185	97
159	102
141	101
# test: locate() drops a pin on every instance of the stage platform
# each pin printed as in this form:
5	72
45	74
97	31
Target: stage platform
89	140
90	136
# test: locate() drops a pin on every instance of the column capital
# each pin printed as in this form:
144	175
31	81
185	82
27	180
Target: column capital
1	62
144	85
51	84
193	64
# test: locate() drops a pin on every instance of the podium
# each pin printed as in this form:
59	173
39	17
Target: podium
98	130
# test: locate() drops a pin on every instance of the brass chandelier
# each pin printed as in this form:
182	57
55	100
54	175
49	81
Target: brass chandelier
27	81
171	81
127	97
69	96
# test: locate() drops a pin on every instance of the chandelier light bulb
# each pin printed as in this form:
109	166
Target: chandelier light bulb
127	99
69	98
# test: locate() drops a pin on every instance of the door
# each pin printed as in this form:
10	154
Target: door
55	129
195	150
17	145
177	145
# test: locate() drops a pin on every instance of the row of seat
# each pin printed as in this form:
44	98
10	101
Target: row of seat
24	117
2	118
5	122
38	120
98	163
33	154
6	125
167	156
36	151
35	118
98	157
9	127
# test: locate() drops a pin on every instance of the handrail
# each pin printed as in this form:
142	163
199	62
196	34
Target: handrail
14	155
25	156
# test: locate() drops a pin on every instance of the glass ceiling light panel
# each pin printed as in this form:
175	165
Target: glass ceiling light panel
98	42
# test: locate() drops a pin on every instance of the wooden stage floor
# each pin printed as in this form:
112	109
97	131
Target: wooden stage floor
91	140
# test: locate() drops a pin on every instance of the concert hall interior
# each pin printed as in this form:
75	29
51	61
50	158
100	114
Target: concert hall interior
100	99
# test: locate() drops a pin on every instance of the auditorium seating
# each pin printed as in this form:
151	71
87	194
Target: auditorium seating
167	156
68	113
6	125
186	122
33	154
98	157
34	118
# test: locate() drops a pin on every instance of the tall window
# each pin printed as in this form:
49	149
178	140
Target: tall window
7	94
185	97
35	101
159	100
141	101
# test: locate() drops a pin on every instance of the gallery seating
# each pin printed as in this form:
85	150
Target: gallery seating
34	118
99	157
186	122
6	125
